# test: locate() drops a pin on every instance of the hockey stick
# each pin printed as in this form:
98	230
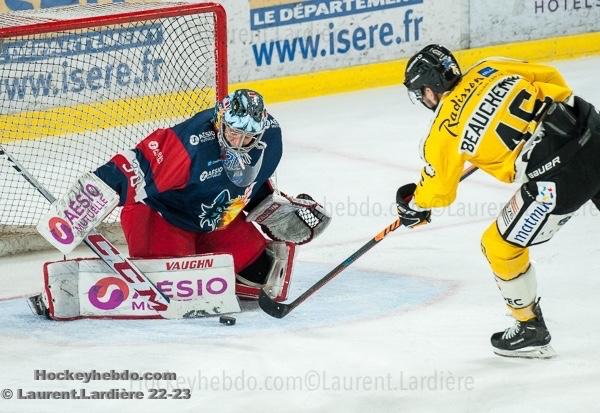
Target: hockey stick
121	265
280	310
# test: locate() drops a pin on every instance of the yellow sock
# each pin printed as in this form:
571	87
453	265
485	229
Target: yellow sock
523	314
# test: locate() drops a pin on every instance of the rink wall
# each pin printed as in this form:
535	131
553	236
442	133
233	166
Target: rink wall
290	49
391	73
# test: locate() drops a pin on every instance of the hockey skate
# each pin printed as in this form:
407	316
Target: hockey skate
37	305
526	339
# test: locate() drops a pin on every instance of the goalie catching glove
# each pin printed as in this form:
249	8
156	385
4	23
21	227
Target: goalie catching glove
285	218
410	215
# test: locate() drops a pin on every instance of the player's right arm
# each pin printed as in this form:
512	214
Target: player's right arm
439	182
158	163
441	174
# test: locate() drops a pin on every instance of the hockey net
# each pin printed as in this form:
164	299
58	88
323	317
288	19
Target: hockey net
79	84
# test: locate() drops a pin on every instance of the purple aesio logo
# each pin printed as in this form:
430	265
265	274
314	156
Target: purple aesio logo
119	291
61	230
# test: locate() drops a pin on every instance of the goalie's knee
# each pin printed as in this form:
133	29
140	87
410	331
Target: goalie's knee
272	271
240	239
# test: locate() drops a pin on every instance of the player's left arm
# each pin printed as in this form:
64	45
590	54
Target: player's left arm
283	217
438	185
548	79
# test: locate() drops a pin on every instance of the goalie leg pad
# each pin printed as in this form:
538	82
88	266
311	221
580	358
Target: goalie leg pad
278	273
61	290
278	279
86	288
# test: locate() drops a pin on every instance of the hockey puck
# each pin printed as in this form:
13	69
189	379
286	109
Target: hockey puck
227	320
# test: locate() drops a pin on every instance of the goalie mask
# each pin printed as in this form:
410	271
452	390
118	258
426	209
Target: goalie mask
240	121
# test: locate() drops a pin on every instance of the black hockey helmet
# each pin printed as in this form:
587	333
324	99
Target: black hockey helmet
433	66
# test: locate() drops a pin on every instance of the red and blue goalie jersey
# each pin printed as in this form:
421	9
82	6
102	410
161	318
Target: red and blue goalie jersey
180	173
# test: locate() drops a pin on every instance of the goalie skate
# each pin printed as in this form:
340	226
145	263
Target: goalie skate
37	305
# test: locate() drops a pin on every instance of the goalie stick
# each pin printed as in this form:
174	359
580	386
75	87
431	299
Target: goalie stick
121	265
280	310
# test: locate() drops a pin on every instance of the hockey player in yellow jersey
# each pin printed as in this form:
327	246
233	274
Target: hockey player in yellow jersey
519	122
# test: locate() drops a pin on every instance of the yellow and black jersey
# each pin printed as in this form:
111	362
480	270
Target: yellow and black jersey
484	120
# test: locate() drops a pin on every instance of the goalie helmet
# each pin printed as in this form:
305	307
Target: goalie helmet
434	67
241	120
244	112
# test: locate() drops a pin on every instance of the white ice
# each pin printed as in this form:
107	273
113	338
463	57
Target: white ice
405	329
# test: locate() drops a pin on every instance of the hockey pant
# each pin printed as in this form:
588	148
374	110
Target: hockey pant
149	235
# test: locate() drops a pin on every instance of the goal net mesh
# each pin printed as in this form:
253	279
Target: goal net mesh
73	97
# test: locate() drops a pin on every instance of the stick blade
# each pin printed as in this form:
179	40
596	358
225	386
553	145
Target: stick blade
272	307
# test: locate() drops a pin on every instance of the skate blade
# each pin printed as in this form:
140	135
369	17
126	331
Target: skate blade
531	352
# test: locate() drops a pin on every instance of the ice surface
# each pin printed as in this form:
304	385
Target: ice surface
405	329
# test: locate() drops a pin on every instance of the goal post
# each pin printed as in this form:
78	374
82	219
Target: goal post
79	84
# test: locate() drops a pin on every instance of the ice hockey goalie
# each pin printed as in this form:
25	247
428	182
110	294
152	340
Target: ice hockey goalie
200	215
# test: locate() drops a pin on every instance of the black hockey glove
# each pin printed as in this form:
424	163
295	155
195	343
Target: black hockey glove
408	216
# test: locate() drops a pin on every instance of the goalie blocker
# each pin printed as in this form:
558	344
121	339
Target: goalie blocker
74	215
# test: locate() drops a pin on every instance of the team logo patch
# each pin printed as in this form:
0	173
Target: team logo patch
201	138
234	161
429	170
213	173
487	71
155	148
546	192
212	214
